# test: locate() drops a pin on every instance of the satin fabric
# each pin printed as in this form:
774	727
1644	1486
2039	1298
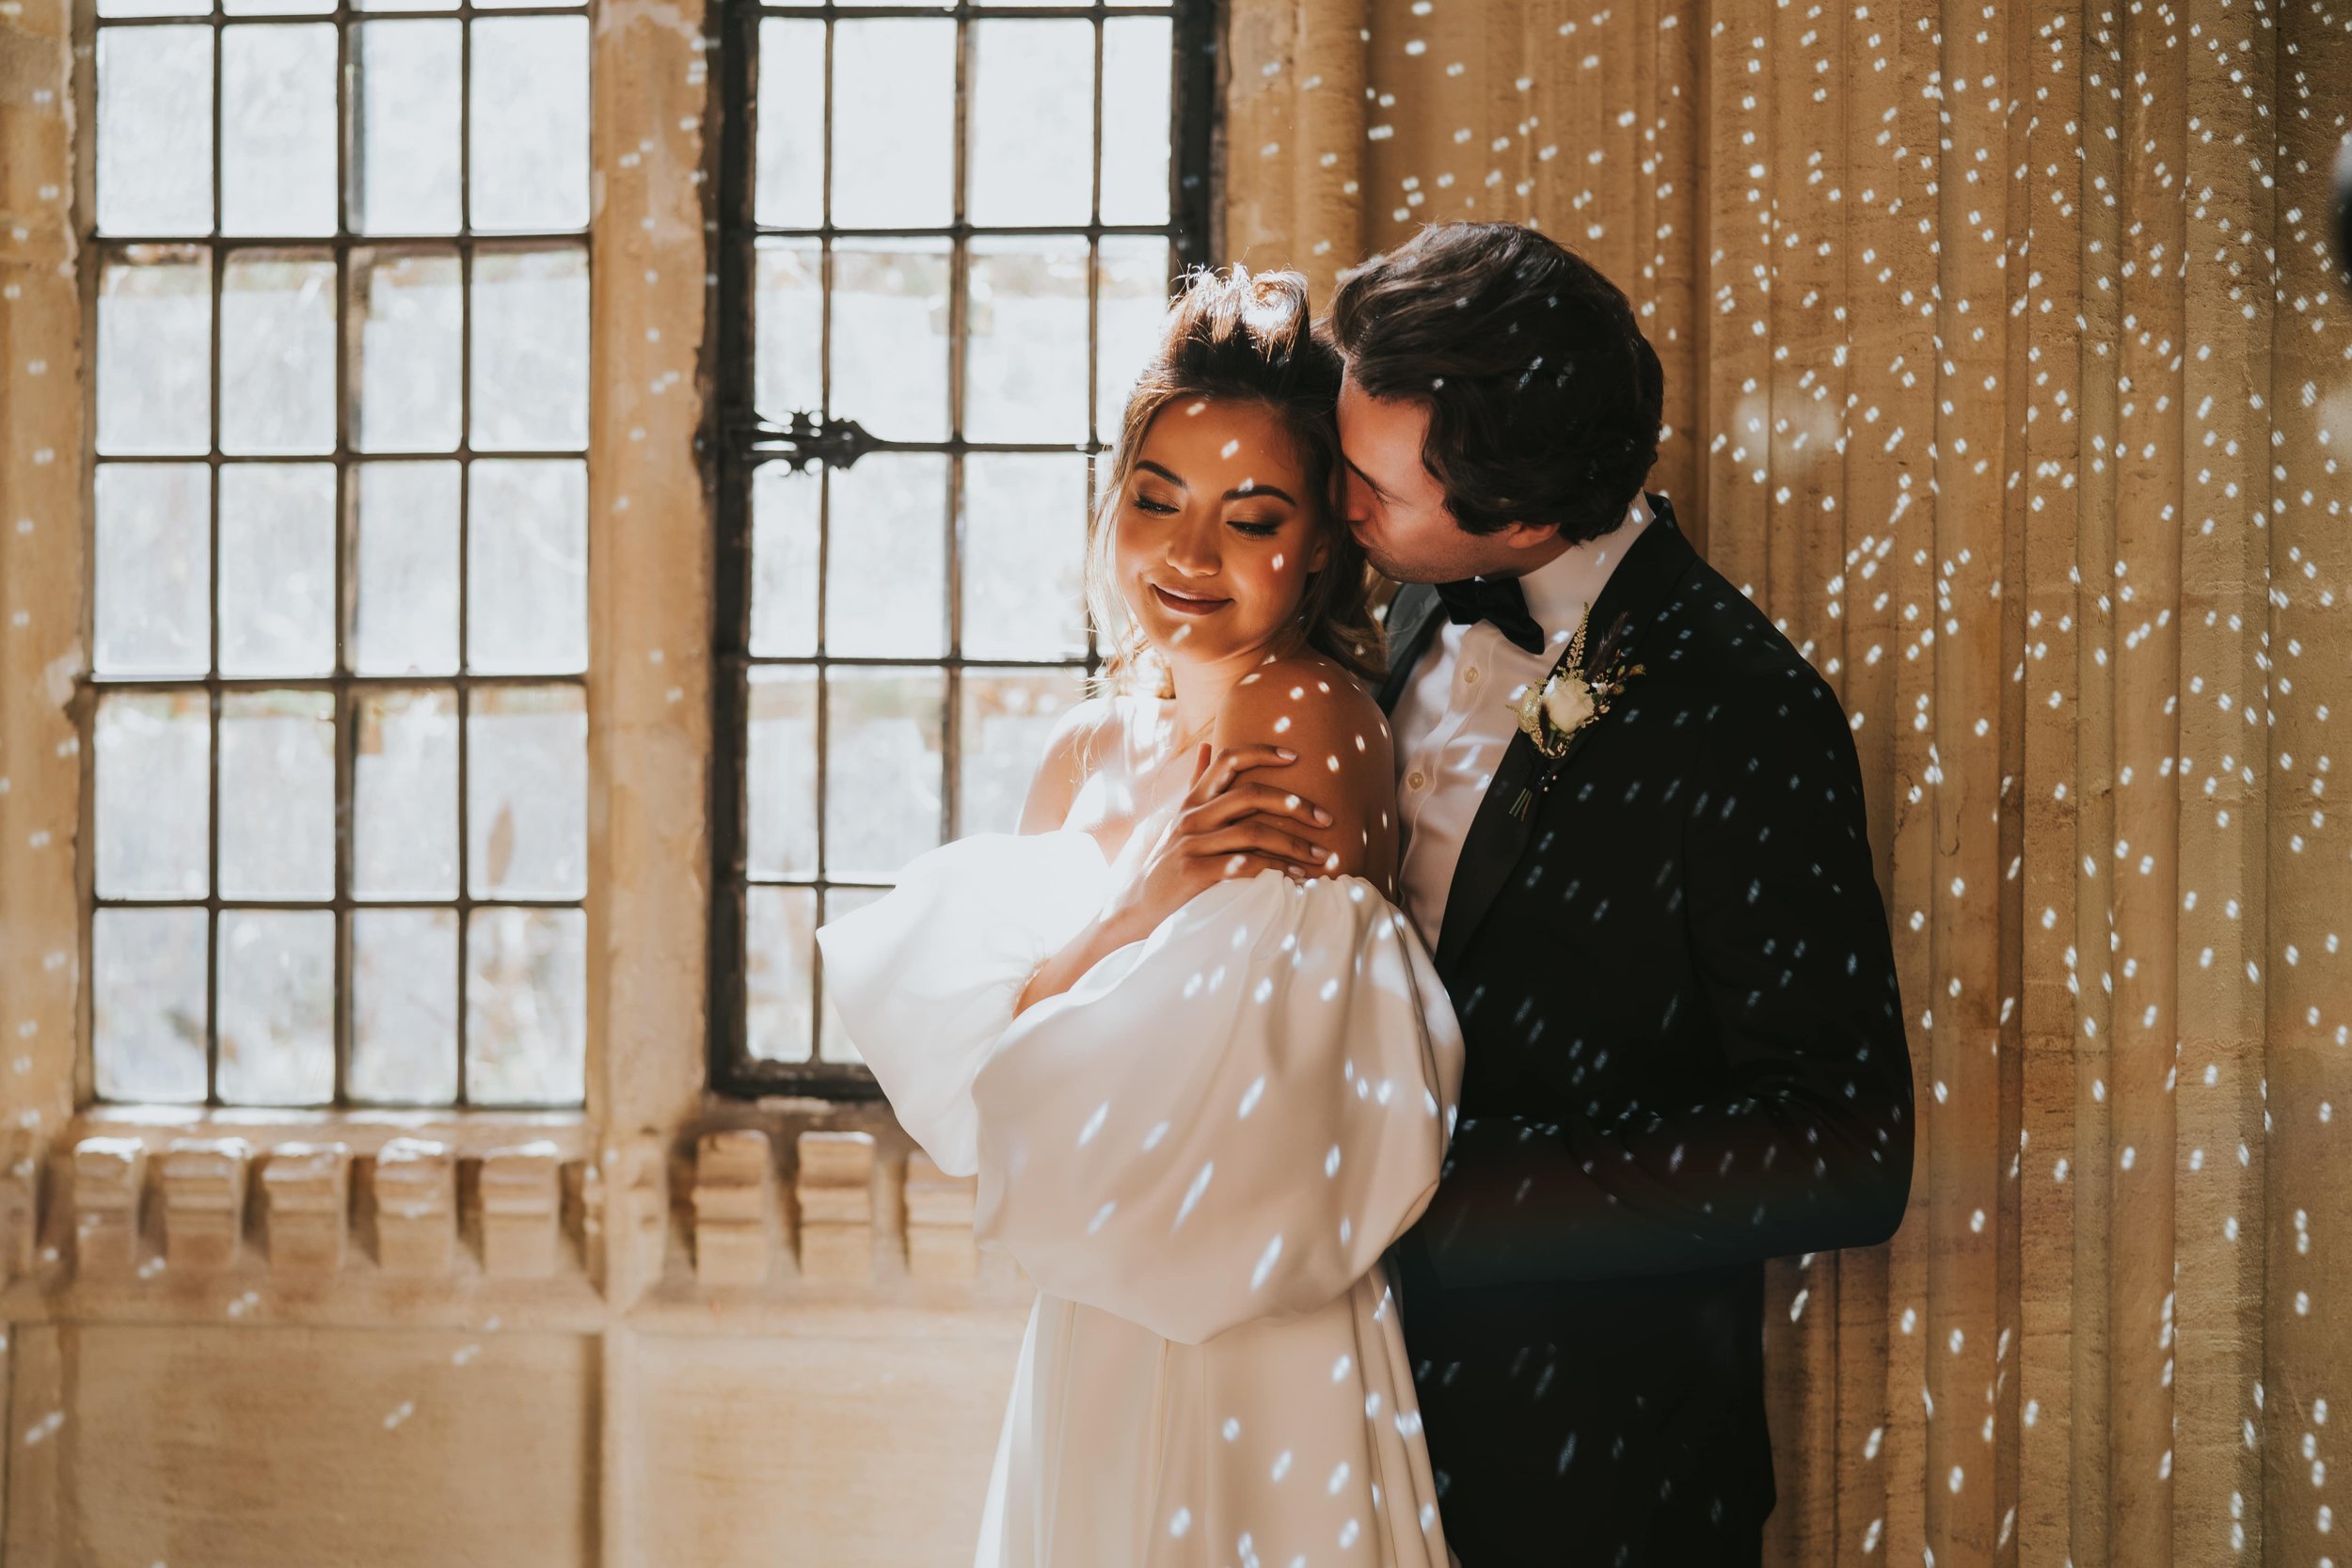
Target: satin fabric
1199	1153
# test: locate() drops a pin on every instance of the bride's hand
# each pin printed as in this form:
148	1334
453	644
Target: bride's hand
1226	826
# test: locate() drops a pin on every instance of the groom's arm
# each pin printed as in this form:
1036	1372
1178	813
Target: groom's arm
1807	1143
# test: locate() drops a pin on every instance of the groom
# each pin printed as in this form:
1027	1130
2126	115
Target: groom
1651	900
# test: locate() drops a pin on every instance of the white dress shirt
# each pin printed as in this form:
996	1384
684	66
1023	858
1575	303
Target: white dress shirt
1459	710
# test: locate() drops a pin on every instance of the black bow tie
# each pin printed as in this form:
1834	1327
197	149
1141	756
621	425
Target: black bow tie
1494	599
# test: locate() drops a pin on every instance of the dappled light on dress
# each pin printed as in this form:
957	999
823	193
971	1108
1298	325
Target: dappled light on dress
1199	1153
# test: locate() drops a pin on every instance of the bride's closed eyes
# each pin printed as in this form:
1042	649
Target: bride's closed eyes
1256	527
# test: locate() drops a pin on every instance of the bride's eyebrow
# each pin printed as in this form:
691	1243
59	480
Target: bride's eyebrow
1242	491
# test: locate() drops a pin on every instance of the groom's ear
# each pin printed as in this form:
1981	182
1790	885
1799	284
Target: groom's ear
1526	536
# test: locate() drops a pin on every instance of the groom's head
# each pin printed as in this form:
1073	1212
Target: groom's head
1499	399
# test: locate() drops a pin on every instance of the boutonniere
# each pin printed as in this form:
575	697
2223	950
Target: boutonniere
1572	696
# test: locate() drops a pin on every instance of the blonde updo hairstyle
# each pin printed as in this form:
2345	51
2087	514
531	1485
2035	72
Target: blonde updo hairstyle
1240	338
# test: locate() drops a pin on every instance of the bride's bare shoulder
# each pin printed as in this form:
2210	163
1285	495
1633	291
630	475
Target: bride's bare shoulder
1311	707
1314	706
1073	752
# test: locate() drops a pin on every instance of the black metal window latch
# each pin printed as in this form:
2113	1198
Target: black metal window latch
801	439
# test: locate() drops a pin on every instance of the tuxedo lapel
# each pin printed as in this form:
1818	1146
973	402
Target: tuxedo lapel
1414	617
1499	832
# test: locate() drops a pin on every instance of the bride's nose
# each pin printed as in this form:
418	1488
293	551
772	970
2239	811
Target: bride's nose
1192	547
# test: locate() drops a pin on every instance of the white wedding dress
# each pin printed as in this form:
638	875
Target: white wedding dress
1198	1154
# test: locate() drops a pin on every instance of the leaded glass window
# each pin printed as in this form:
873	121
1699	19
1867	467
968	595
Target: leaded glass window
339	584
948	234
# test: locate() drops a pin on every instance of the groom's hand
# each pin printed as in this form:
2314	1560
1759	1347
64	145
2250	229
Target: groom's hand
1226	826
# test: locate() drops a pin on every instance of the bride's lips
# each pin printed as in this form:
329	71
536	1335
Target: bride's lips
1188	604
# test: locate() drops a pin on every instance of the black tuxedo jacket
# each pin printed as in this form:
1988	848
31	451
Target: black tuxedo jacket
1685	1055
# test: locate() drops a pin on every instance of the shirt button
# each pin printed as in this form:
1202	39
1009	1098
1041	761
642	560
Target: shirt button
1469	676
1413	780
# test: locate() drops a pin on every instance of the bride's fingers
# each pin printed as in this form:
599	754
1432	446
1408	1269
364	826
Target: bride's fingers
1246	796
1233	762
1260	837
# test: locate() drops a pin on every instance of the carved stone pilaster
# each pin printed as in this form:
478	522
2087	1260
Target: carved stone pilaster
734	1207
109	1175
416	1206
521	1210
836	1194
307	1191
939	1221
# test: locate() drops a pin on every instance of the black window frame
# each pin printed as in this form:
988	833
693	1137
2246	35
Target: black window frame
737	442
345	688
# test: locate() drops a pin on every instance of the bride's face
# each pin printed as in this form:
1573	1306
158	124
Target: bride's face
1217	532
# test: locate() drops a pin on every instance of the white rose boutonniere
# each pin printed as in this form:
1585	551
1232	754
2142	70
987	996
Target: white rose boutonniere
1569	698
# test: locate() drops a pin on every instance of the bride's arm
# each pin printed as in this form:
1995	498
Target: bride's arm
1226	826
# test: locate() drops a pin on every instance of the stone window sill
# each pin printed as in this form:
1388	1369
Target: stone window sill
471	1134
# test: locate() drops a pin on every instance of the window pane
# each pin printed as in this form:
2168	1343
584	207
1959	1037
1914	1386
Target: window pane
779	941
277	1008
886	557
784	561
404	794
1032	122
1025	358
525	1006
789	160
886	732
1025	526
528	132
530	349
278	794
403	1005
1006	716
405	127
834	1044
780	772
154	352
147	1004
526	792
1130	305
1137	55
894	104
405	609
405	4
278	569
278	353
278	129
527	567
789	316
108	8
154	789
155	130
153	561
406	327
890	337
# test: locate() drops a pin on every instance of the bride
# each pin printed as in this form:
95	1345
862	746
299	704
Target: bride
1201	1063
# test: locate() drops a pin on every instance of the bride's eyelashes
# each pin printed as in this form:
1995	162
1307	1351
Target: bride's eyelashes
1254	527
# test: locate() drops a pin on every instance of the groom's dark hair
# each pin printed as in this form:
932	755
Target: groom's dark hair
1544	397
